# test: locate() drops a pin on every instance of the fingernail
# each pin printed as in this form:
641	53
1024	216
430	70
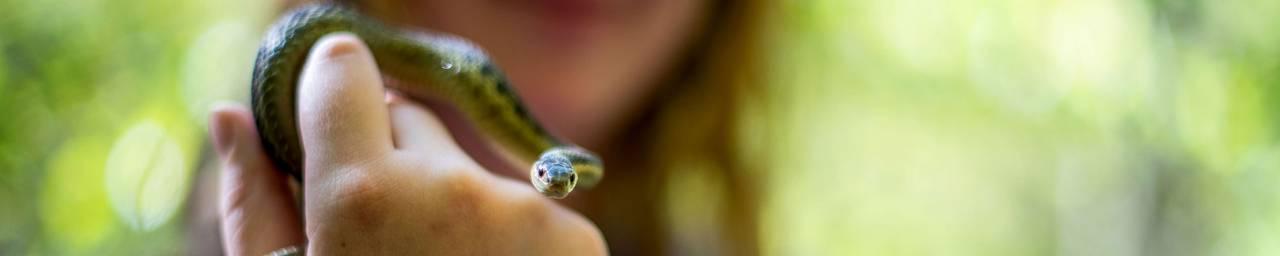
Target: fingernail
338	45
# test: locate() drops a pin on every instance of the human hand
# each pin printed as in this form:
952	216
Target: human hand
383	176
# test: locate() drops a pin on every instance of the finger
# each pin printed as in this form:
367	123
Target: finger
419	134
419	131
539	213
341	114
590	242
255	203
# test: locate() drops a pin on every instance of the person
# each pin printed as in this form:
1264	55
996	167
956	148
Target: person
654	86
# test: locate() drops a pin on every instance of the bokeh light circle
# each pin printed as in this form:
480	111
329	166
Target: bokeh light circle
146	176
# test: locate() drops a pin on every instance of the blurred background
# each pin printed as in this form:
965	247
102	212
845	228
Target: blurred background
917	127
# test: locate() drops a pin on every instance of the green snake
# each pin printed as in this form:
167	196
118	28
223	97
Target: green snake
432	66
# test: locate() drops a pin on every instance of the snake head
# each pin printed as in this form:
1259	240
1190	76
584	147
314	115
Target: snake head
553	176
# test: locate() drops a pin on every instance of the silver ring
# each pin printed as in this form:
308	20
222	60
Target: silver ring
287	251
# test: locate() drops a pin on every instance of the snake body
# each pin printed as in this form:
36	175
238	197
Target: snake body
431	65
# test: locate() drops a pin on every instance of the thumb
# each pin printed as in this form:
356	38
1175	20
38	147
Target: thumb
255	203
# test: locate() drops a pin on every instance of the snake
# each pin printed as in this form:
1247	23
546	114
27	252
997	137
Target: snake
429	65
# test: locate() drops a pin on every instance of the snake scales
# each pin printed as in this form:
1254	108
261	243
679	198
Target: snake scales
431	65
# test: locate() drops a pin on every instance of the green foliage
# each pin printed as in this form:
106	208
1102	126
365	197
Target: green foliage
1007	127
75	76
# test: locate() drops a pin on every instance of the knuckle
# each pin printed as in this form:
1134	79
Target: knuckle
357	187
492	202
531	204
465	192
235	193
522	207
362	198
465	203
534	211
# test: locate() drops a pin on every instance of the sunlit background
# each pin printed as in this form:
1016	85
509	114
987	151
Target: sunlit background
918	127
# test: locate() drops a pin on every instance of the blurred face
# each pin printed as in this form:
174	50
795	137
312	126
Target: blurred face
581	65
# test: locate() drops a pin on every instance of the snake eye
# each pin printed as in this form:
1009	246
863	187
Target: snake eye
573	178
542	172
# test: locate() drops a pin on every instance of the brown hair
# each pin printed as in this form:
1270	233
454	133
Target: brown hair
686	189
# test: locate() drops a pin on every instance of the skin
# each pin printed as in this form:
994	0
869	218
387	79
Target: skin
606	52
387	176
383	177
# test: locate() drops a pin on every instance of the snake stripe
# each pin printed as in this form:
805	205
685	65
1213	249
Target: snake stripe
431	66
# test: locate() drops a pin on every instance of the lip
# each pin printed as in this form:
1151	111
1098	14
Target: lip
566	21
570	12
